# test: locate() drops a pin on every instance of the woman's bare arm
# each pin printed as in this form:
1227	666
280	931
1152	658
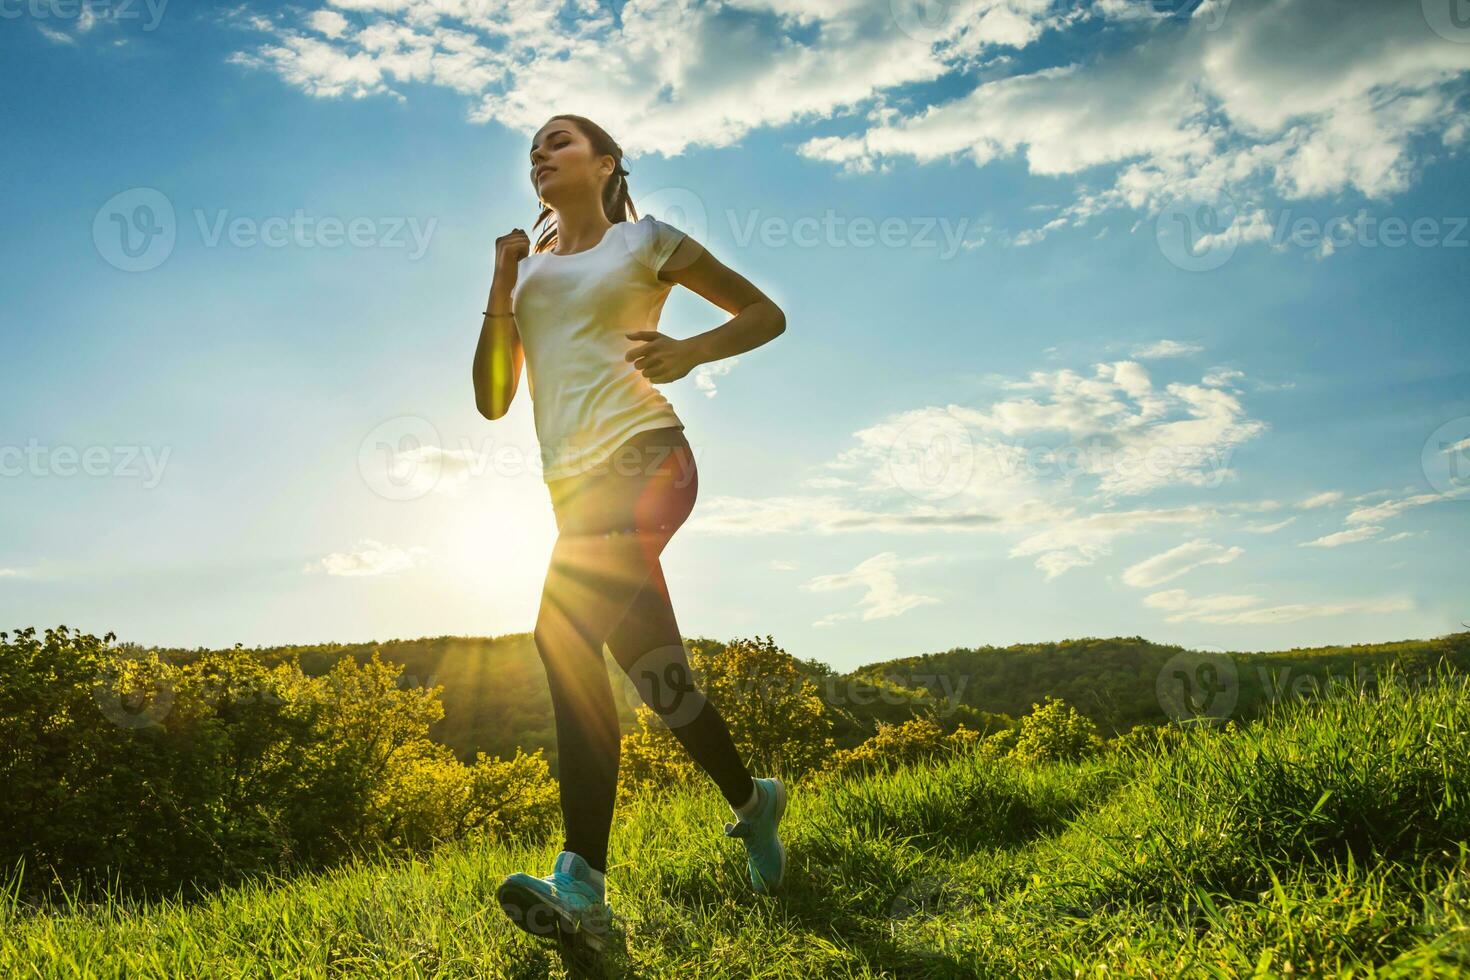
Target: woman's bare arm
756	319
499	358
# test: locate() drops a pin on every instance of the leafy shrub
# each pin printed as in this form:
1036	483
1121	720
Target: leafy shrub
773	709
191	776
893	745
1055	732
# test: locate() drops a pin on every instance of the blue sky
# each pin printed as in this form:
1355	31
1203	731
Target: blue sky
1115	318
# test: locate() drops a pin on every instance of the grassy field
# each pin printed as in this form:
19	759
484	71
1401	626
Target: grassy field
1325	838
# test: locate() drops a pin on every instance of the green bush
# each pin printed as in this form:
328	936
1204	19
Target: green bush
123	766
1055	732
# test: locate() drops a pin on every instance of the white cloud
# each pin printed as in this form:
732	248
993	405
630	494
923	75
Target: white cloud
1178	561
661	75
1341	538
328	22
1013	466
1267	528
877	576
827	515
1325	499
1122	430
780	565
1167	348
1392	508
705	374
55	36
1290	99
370	558
1245	609
1286	100
1078	541
1220	377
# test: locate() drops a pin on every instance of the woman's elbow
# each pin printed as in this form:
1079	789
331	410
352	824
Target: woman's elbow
778	321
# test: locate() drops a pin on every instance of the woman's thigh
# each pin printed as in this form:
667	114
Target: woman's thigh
612	527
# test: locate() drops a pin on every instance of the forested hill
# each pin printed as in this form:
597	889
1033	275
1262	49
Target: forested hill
1115	681
494	688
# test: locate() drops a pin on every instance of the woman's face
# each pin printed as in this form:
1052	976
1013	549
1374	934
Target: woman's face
562	161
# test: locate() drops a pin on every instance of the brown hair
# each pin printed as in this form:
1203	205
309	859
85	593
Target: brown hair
616	203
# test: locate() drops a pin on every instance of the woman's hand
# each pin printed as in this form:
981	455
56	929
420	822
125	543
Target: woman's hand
663	358
510	248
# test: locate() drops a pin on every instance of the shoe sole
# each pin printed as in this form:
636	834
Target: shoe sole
534	915
780	812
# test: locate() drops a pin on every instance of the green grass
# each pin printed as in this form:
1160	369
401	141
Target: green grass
1326	838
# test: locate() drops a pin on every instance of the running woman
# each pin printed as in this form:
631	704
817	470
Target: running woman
581	311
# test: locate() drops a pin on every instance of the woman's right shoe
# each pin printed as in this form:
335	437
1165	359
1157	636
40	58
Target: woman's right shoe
766	854
565	905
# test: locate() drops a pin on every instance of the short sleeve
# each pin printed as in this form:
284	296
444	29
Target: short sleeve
657	241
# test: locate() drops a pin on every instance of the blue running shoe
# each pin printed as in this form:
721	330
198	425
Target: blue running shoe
566	905
767	855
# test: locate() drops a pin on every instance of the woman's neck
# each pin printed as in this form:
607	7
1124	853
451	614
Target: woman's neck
579	231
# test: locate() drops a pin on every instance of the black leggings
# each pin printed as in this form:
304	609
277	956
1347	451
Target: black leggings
605	584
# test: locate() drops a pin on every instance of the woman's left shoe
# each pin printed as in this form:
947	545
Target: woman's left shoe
567	905
767	855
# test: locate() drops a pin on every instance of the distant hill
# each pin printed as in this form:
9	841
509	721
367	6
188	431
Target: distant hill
495	696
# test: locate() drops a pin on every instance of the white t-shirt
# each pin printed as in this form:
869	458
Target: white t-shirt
572	312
